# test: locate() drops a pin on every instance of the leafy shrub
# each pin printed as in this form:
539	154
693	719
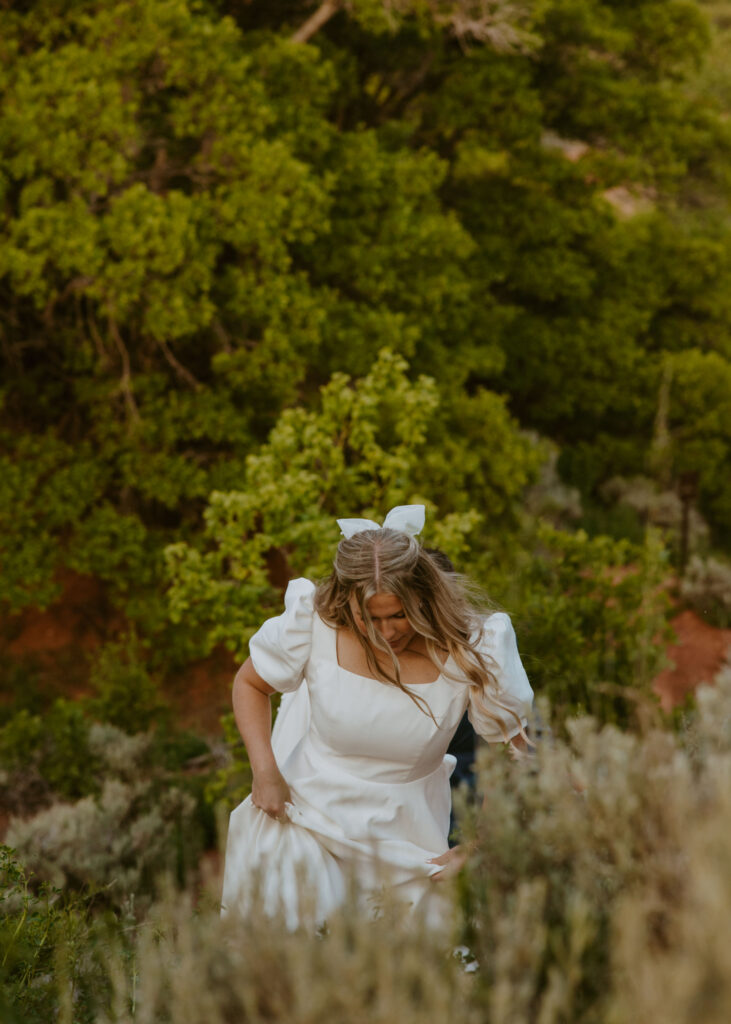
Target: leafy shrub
591	615
126	694
40	926
46	755
21	736
140	823
121	756
706	587
119	841
19	684
66	760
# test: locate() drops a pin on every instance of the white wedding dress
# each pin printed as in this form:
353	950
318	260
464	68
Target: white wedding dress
367	770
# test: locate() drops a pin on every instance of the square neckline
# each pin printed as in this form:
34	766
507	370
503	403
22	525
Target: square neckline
334	632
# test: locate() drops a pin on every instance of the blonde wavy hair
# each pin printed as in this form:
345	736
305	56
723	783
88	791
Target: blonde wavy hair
443	607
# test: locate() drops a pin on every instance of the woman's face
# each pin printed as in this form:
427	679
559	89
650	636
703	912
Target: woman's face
389	620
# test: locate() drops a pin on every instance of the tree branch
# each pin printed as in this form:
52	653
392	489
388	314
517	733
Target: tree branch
186	375
407	88
314	23
97	339
126	381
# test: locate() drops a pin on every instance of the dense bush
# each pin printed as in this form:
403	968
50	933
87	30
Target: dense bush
139	820
118	841
125	694
45	755
591	617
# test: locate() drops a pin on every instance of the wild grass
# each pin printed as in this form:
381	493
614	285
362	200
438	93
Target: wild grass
599	892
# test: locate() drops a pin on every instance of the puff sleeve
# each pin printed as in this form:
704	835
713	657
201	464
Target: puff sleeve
511	702
280	649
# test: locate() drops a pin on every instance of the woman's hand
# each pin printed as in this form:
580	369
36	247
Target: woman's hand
453	861
270	792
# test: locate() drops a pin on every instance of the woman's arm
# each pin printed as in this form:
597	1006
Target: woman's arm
252	711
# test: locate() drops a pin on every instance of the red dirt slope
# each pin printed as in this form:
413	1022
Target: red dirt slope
697	655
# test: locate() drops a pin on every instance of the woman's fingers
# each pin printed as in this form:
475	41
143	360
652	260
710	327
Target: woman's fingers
451	863
277	811
271	795
279	816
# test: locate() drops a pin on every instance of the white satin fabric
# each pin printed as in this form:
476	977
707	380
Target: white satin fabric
407	518
367	770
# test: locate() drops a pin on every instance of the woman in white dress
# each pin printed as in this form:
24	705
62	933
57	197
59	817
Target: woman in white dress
354	784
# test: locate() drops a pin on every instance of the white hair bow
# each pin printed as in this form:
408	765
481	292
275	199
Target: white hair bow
408	518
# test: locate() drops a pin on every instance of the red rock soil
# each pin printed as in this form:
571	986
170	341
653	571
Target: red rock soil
62	639
696	656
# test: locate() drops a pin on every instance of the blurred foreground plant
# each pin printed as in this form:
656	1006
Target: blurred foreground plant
598	892
599	863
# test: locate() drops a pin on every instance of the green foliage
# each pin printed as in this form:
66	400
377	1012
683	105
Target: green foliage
18	737
700	426
126	695
592	617
364	450
45	486
118	843
38	926
138	823
208	233
66	760
52	748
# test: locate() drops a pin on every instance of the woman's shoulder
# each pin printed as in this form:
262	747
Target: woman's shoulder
493	629
281	647
299	606
497	622
299	591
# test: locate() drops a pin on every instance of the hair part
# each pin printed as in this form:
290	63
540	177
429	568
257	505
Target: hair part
442	606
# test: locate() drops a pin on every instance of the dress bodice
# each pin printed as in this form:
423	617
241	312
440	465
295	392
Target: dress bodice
373	728
299	645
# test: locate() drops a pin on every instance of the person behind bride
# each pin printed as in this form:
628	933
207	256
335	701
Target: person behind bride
392	652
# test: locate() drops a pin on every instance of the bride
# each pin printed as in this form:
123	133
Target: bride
354	784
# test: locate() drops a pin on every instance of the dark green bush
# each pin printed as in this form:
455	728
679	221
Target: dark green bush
126	695
591	615
50	753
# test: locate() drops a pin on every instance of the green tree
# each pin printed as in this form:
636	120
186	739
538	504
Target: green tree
207	212
362	450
